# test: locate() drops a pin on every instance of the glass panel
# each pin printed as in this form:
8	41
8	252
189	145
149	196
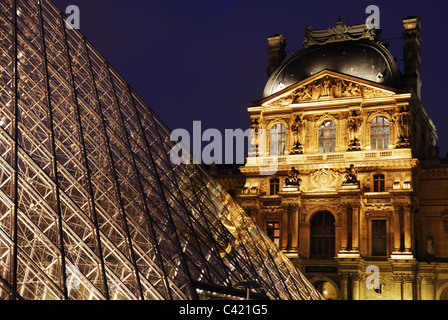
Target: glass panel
327	137
277	140
379	133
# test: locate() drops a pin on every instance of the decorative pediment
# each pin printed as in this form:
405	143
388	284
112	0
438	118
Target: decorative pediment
325	87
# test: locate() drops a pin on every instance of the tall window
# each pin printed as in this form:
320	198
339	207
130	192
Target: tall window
379	238
274	185
277	140
379	183
273	231
327	136
379	133
322	235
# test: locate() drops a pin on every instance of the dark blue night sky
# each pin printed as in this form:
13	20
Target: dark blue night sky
206	60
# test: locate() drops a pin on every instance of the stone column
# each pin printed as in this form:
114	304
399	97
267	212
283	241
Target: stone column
418	288
284	243
295	229
397	287
355	227
290	220
363	233
344	285
397	230
355	286
344	231
408	286
407	228
427	288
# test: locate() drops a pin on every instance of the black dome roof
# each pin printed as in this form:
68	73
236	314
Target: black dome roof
363	59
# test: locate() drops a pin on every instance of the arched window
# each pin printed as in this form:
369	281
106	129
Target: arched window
379	133
277	140
327	136
322	235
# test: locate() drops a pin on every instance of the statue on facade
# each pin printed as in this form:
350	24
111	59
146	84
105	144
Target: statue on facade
326	87
296	129
293	178
429	246
354	125
253	138
351	90
402	127
351	177
433	152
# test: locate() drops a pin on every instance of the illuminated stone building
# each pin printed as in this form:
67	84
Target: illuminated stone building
91	206
358	179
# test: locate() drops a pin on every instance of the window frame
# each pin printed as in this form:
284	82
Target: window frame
271	233
274	182
376	137
379	182
325	141
277	139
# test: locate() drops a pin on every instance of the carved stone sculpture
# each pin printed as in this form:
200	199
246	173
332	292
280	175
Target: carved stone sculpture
429	246
296	129
354	125
340	32
351	177
433	152
253	138
327	87
402	127
324	179
293	178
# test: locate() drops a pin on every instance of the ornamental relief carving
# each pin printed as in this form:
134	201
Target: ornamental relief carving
402	122
402	204
327	115
378	207
340	32
324	180
275	120
327	88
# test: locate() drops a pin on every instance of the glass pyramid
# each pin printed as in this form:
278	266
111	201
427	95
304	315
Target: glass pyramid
90	205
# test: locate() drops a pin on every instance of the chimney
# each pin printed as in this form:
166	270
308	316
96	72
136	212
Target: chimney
411	54
276	52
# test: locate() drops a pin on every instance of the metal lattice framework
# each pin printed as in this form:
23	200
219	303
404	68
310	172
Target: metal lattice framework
87	188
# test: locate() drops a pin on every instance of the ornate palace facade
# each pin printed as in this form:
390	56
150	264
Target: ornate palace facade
359	181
